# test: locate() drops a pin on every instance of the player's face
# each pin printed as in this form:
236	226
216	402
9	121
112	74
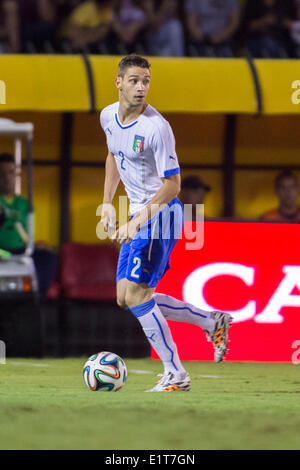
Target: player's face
288	191
134	86
7	178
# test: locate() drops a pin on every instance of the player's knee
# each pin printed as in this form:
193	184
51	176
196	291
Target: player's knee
132	300
121	302
159	297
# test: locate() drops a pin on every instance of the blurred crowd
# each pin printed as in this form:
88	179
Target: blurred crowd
197	28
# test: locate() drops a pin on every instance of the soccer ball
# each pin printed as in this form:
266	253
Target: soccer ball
105	372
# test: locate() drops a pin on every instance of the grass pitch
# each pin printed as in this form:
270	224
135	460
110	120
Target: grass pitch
44	404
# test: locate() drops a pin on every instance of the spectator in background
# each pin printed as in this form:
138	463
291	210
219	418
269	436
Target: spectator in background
287	191
37	25
165	35
211	25
13	229
9	27
193	191
128	26
64	9
268	26
295	31
89	26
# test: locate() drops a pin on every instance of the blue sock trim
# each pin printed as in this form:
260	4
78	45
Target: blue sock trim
163	336
143	309
182	308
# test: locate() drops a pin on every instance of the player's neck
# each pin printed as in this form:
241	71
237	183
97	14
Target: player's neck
128	113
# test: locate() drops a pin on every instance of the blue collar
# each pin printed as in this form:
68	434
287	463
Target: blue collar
124	127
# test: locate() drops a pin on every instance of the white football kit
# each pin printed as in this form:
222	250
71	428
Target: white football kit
144	152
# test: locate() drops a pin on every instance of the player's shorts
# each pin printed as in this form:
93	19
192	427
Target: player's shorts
145	259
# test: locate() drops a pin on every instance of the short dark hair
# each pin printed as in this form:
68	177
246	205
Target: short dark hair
132	60
6	158
284	175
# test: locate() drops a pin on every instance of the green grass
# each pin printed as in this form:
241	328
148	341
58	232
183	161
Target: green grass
247	406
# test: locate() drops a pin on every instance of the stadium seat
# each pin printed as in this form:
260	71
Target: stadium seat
88	271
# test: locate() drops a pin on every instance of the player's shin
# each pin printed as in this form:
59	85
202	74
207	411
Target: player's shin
176	310
158	333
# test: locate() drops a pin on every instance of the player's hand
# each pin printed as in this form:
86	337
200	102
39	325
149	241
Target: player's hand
108	220
127	232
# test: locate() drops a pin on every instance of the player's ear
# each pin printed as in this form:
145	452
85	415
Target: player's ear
118	82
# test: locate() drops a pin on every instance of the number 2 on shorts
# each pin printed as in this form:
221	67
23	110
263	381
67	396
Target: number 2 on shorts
137	261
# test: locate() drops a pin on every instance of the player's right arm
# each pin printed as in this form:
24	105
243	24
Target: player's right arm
111	182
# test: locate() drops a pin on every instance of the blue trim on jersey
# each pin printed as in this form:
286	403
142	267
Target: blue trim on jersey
182	308
163	336
143	309
176	171
124	127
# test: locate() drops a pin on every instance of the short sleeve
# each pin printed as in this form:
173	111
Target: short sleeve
164	150
103	119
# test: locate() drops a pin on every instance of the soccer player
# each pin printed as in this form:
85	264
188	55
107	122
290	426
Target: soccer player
141	152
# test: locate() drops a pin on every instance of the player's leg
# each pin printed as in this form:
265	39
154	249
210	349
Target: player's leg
121	281
214	323
176	310
139	299
121	292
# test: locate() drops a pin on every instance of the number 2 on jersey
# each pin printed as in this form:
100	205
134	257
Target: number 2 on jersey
137	261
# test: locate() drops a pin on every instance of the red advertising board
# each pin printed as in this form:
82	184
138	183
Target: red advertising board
251	270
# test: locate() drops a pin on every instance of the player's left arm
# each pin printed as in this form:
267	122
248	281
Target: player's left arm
164	151
167	192
167	166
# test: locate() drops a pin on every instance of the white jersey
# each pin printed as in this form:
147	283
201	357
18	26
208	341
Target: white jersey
144	152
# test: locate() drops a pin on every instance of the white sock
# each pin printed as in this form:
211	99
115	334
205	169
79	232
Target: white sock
159	336
174	309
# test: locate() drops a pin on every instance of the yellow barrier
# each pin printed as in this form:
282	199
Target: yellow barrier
44	83
276	78
179	85
185	85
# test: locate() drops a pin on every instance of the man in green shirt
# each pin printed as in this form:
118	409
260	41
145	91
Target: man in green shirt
13	225
13	209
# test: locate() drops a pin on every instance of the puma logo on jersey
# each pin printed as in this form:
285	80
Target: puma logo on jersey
173	158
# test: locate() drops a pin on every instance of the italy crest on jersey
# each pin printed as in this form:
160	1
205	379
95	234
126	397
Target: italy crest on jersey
138	143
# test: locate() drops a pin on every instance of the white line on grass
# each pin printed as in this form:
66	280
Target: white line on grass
28	364
138	371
